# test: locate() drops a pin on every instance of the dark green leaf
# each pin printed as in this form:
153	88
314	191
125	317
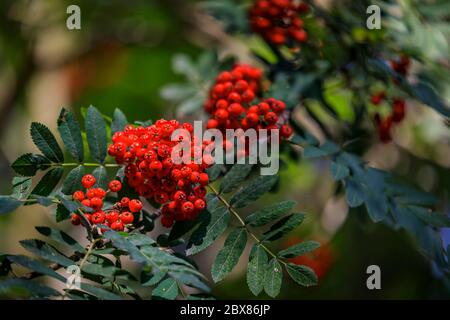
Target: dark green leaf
61	213
425	93
48	182
212	225
70	132
61	237
35	266
214	172
303	275
8	204
284	226
180	228
45	251
299	249
339	171
256	269
354	192
190	280
270	213
123	244
432	218
96	134
16	288
119	121
167	290
150	279
46	142
229	255
21	187
101	175
253	191
99	292
28	164
72	182
235	177
273	278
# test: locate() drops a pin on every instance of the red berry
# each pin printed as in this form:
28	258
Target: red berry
75	219
88	181
98	217
135	205
96	203
126	217
124	202
187	207
117	226
115	186
271	117
286	131
156	166
166	221
112	217
203	179
199	204
179	196
78	195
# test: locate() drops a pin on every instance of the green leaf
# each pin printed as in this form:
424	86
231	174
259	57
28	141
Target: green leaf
284	226
36	266
61	237
167	290
229	255
96	134
273	278
434	219
21	187
99	292
303	275
101	175
8	204
354	193
256	269
190	280
70	132
48	182
119	121
45	251
214	172
16	288
269	214
28	164
339	171
425	93
61	213
235	177
150	279
46	142
253	191
299	249
72	182
212	225
327	149
180	228
123	244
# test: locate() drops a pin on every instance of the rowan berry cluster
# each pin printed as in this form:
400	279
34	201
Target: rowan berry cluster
151	171
231	99
117	217
398	109
279	21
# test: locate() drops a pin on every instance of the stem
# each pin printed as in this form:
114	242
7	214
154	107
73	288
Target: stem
243	224
91	247
87	164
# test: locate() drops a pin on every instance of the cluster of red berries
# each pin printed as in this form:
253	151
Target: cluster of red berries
398	111
151	171
278	21
230	103
120	215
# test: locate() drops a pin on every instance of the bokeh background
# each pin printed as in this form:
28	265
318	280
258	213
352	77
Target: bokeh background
122	57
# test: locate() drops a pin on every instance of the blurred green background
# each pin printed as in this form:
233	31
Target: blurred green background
121	58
